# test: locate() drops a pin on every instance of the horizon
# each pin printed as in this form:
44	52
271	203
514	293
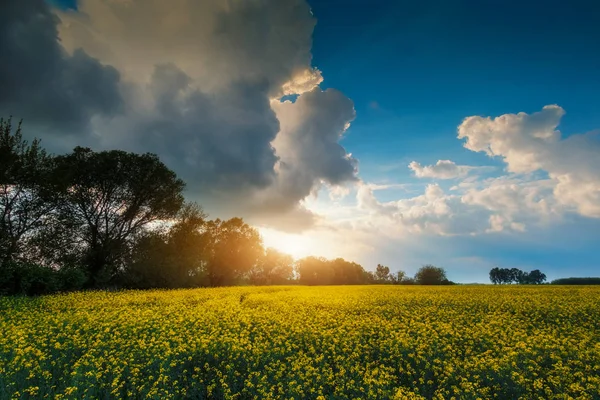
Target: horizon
464	136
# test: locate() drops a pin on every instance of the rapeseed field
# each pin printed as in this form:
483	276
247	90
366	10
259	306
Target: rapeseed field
362	342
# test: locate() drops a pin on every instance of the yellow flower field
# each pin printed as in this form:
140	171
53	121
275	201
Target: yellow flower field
361	342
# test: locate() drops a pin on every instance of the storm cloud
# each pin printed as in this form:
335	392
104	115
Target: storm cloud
198	83
55	91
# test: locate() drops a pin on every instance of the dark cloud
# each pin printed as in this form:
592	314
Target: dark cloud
217	142
196	83
42	83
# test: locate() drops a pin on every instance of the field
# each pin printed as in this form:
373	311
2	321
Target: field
362	342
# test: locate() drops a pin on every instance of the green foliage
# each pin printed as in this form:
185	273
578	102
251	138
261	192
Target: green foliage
515	275
233	249
320	271
273	268
33	279
25	194
431	275
171	257
382	274
577	281
107	198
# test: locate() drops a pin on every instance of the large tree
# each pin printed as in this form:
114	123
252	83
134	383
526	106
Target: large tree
25	191
106	198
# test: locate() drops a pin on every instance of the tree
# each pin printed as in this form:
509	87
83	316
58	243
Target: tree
233	249
400	276
24	191
314	271
495	275
347	272
517	276
274	268
536	277
430	275
505	275
109	197
170	257
382	273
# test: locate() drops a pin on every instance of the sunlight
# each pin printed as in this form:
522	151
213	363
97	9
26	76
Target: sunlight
298	246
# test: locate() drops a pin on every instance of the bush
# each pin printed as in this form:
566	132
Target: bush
71	278
33	279
577	281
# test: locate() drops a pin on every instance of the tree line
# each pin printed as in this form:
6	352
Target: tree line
515	275
115	219
577	281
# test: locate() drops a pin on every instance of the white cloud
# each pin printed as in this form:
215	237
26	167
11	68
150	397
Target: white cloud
444	169
529	143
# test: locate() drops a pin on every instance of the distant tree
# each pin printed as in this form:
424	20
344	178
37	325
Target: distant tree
400	276
516	275
273	268
504	275
314	271
173	256
430	275
382	273
536	277
233	249
25	192
348	272
495	275
106	199
577	281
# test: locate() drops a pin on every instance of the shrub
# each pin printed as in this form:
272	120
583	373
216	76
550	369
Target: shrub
577	281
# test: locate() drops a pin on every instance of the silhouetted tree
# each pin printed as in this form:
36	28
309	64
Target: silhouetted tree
234	248
25	192
430	275
536	277
495	275
273	268
171	257
107	198
515	275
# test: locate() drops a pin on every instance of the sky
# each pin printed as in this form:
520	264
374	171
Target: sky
463	134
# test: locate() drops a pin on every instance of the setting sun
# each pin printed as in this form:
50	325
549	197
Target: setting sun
297	246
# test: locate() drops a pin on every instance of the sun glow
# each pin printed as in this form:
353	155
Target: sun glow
298	246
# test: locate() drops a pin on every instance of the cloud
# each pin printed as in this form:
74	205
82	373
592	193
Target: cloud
199	83
548	178
54	91
529	143
213	42
443	169
308	150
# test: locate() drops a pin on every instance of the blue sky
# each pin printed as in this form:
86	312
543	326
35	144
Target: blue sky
430	64
413	72
415	69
